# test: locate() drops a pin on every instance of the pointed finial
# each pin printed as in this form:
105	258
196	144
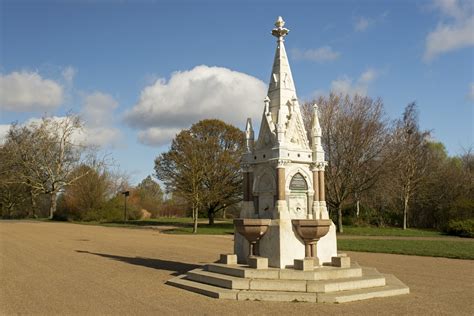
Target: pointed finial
315	126
248	126
249	135
279	22
280	31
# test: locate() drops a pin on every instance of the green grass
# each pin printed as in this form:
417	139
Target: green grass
204	229
390	231
432	248
184	225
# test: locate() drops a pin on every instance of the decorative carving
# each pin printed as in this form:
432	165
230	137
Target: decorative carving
321	165
245	167
280	163
298	206
280	31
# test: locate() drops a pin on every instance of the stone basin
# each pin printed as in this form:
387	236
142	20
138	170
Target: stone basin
311	230
252	229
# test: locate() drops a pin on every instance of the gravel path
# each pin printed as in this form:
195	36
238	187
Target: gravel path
60	268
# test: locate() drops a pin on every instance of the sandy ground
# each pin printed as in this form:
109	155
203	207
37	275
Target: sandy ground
64	269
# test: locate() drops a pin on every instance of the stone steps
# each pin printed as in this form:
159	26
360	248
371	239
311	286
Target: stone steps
321	273
393	287
221	280
370	278
201	288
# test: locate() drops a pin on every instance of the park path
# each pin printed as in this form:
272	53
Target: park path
67	269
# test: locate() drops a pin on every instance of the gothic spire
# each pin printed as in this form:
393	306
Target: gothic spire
281	89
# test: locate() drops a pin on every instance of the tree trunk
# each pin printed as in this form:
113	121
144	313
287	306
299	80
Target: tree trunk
339	219
210	215
405	212
33	203
195	219
52	207
357	205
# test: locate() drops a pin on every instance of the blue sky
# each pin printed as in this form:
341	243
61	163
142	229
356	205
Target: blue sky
138	71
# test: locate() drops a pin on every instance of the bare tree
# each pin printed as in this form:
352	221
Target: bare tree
47	153
409	149
355	136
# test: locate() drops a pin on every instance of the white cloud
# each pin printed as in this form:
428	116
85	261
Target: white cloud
321	54
98	117
455	33
450	8
165	107
88	135
98	114
362	23
368	76
68	74
347	85
3	132
155	136
470	94
28	91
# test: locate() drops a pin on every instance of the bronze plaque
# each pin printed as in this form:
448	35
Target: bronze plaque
298	182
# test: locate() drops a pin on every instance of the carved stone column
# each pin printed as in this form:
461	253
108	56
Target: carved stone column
315	212
322	196
245	186
250	185
248	208
315	185
281	206
280	183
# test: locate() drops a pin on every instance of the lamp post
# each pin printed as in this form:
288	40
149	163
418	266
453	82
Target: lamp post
125	194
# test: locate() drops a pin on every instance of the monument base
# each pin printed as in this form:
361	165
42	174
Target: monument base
324	284
281	245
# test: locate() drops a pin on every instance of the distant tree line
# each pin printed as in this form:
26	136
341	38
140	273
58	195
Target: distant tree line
389	173
380	172
46	171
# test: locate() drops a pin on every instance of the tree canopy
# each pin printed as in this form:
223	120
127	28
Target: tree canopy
203	165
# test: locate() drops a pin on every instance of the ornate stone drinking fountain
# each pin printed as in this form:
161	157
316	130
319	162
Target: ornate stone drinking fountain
252	229
310	230
285	246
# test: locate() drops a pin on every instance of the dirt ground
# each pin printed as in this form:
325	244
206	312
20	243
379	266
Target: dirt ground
63	269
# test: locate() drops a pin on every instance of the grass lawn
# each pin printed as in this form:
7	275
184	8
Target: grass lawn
390	231
432	248
183	225
226	228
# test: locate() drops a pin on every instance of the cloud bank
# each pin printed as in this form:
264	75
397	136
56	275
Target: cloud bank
322	54
167	106
347	85
455	31
98	115
27	91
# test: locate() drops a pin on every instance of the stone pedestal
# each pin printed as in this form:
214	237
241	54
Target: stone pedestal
282	246
306	264
227	258
341	261
258	262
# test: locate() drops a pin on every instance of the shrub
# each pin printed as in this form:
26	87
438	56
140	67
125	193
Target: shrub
463	228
